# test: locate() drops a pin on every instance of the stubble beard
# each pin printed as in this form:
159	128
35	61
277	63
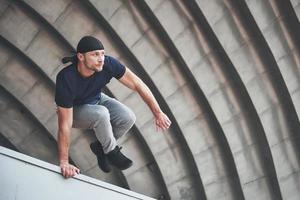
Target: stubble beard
94	68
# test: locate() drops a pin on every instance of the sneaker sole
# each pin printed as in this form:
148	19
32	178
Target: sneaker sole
124	168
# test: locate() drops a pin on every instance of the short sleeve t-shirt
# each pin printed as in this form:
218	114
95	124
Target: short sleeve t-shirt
73	89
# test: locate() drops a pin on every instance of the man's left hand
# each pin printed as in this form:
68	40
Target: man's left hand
162	121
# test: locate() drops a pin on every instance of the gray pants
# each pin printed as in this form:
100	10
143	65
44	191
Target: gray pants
110	120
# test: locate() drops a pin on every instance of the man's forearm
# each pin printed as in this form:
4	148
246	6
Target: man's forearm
133	82
65	118
63	146
148	97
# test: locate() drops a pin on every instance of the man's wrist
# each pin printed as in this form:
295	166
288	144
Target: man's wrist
63	162
157	113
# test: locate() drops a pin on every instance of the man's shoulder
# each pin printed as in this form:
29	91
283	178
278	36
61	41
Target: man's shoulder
110	60
66	71
67	74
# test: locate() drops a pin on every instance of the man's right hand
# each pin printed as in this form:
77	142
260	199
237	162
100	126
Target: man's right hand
68	170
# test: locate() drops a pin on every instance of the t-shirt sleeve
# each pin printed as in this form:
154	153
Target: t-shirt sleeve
116	68
63	93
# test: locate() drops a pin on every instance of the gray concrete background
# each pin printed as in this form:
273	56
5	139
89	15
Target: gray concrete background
226	72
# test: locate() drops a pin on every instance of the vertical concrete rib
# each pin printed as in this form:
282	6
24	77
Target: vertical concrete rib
190	169
280	27
288	142
289	28
250	31
224	149
264	97
289	24
261	148
246	24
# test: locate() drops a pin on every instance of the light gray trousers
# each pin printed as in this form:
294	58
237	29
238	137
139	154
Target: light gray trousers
110	120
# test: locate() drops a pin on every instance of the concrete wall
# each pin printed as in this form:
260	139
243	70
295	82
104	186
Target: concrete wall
226	72
49	184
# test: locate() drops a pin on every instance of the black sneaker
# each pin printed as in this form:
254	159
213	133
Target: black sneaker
117	159
97	149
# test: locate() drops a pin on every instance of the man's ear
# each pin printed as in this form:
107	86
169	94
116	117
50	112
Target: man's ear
80	56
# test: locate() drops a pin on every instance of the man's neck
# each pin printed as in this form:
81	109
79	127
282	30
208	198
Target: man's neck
84	71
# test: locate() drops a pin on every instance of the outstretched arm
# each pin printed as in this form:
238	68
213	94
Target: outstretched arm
65	118
133	82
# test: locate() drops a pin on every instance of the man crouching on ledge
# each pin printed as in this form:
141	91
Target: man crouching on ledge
80	104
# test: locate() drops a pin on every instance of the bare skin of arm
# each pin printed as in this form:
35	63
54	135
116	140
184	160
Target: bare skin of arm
133	82
65	118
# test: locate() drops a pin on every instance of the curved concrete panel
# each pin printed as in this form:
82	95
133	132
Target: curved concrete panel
246	44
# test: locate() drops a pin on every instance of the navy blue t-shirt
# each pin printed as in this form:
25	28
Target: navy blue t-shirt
73	89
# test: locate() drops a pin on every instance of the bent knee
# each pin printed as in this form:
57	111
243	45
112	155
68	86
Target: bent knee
130	117
133	117
101	113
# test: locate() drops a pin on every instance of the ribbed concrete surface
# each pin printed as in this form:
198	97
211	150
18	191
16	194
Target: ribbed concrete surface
226	72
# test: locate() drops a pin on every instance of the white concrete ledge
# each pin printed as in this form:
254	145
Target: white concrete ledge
24	177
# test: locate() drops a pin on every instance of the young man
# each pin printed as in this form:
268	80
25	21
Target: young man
80	104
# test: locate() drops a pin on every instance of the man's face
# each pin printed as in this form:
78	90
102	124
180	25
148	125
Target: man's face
94	60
